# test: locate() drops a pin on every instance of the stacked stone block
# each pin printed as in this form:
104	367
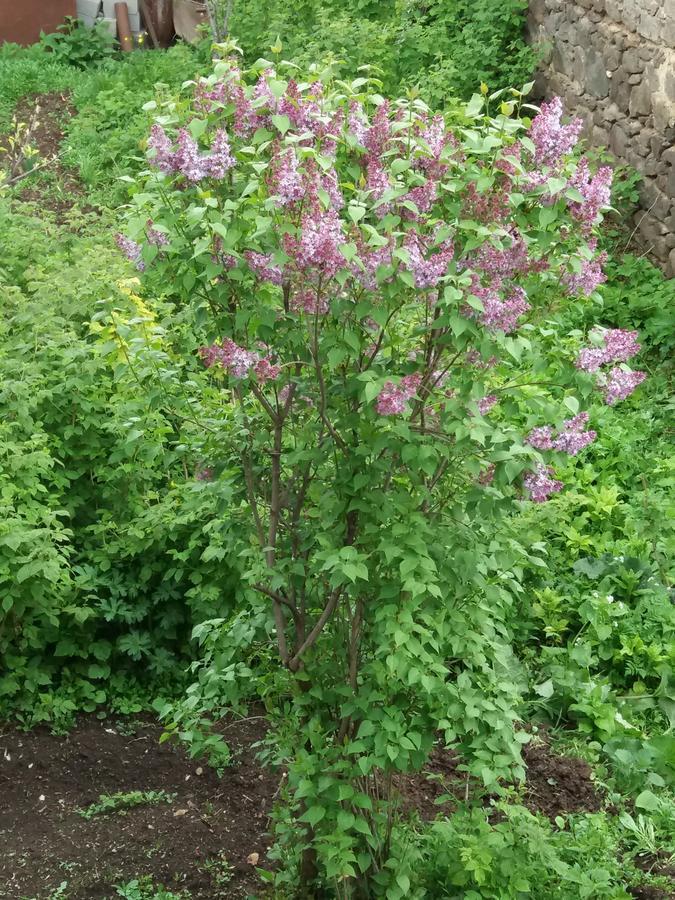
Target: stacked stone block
613	64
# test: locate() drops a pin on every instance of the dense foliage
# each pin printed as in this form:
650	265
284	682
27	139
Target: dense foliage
122	509
441	48
357	274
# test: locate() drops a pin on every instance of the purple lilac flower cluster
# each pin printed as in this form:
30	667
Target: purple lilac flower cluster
619	384
552	140
616	345
392	399
540	484
427	270
572	438
186	160
262	266
498	314
307	301
588	279
156	237
239	362
595	190
131	249
485	404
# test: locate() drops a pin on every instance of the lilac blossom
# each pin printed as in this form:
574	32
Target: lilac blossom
588	279
591	358
541	438
617	346
377	136
540	485
427	271
262	266
371	258
295	108
377	179
392	399
485	206
504	262
285	180
422	196
164	158
486	477
320	240
474	358
620	345
131	249
595	191
238	361
265	371
156	237
498	314
506	163
487	403
552	140
620	383
357	124
434	138
188	159
229	91
329	183
308	302
220	160
571	438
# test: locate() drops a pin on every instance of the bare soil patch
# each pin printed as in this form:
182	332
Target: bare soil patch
54	109
45	779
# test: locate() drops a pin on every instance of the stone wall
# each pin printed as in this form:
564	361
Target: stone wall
613	64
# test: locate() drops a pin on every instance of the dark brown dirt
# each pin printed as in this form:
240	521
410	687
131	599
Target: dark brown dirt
54	109
655	864
558	784
45	779
431	793
647	892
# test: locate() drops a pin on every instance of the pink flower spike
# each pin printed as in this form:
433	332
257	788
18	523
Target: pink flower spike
487	403
221	160
540	485
261	265
540	438
392	399
620	384
265	371
164	158
551	139
131	249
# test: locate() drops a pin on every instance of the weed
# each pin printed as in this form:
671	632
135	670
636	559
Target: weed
120	802
144	889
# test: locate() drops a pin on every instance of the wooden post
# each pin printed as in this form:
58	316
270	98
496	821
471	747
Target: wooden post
123	27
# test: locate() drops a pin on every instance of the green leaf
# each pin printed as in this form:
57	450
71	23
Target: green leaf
283	123
648	800
545	689
313	815
474	106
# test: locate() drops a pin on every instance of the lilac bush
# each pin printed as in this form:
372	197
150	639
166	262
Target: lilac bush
378	294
